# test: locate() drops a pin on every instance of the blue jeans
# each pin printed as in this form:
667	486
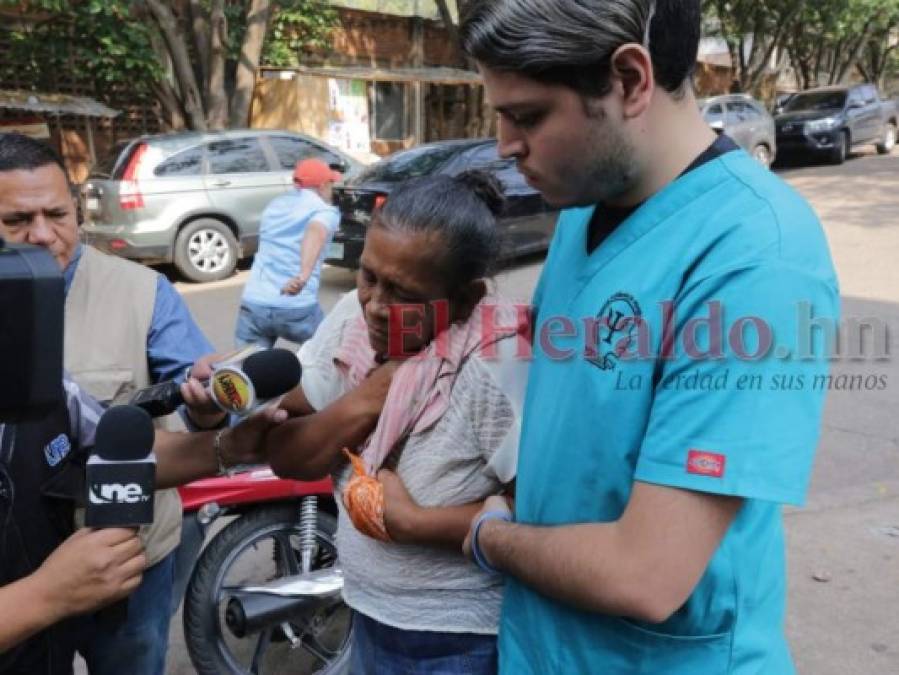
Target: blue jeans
383	650
258	325
139	646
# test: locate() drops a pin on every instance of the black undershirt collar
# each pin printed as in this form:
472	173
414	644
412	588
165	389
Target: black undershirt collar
607	217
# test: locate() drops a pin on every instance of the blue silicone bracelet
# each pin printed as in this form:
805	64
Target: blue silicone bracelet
476	552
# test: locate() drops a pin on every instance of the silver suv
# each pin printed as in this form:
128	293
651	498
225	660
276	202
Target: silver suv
746	121
193	198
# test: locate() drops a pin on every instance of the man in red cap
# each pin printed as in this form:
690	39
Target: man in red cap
281	296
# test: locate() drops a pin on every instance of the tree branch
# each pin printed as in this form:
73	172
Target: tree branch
200	30
451	28
215	88
251	51
174	40
172	110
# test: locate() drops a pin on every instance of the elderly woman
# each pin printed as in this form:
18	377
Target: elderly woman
421	372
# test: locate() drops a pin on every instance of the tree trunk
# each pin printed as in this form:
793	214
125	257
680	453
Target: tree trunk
451	28
215	88
200	31
250	53
171	106
815	75
855	53
174	40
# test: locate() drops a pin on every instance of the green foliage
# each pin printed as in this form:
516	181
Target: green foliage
298	26
100	36
825	38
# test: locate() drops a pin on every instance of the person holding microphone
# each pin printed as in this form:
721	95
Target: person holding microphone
49	572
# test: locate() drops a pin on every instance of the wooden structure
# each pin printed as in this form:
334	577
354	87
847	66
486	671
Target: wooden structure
55	117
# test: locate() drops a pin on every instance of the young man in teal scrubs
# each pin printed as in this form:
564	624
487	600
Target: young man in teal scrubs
676	391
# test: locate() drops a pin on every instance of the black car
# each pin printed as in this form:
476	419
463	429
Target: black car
526	222
830	121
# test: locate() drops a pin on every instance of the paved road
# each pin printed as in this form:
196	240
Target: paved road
849	532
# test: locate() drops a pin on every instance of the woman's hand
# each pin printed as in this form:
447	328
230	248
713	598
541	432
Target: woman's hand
372	391
401	512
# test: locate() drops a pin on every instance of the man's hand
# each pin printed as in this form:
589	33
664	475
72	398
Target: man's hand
494	503
401	512
245	443
294	286
90	569
202	410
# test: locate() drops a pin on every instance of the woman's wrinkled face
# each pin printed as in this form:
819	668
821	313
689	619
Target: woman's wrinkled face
402	287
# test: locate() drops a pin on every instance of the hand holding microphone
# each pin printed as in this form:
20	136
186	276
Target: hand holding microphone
121	479
238	386
90	569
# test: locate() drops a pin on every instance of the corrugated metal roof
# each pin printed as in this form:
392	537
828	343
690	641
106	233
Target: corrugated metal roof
434	75
58	104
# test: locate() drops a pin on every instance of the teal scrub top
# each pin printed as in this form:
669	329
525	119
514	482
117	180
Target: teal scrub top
632	380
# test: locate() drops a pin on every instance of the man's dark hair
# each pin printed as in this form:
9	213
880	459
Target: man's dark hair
571	42
22	153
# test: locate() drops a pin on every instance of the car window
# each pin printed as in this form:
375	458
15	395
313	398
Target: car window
870	94
714	113
236	156
509	175
108	163
817	100
186	163
737	111
486	158
410	164
477	158
291	150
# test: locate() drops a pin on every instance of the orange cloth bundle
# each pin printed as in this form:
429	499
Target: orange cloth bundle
363	497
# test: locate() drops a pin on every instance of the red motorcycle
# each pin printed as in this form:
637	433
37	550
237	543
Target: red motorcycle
265	593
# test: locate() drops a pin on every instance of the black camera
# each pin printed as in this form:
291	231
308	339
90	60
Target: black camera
32	301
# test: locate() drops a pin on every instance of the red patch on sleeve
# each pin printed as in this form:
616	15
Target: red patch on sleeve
704	463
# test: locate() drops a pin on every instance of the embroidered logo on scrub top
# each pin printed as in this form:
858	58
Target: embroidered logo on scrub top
618	320
57	449
704	463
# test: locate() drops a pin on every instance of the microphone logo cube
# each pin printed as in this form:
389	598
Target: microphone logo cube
232	390
120	495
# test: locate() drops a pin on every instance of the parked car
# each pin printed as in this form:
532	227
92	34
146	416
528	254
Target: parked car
527	222
746	121
832	120
193	198
780	101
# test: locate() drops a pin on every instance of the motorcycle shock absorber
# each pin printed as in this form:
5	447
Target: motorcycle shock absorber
308	525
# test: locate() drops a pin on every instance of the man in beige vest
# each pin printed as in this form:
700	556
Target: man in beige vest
125	328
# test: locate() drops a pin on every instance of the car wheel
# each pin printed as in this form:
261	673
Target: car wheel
206	250
840	149
762	154
889	140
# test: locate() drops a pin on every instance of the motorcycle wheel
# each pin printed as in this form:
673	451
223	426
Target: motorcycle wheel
269	537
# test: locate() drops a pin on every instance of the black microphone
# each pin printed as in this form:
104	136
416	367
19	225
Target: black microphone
236	387
121	479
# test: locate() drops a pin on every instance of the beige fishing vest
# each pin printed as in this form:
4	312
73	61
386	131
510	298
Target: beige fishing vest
108	313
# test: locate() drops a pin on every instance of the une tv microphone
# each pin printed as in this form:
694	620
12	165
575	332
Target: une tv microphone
121	472
237	387
121	479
